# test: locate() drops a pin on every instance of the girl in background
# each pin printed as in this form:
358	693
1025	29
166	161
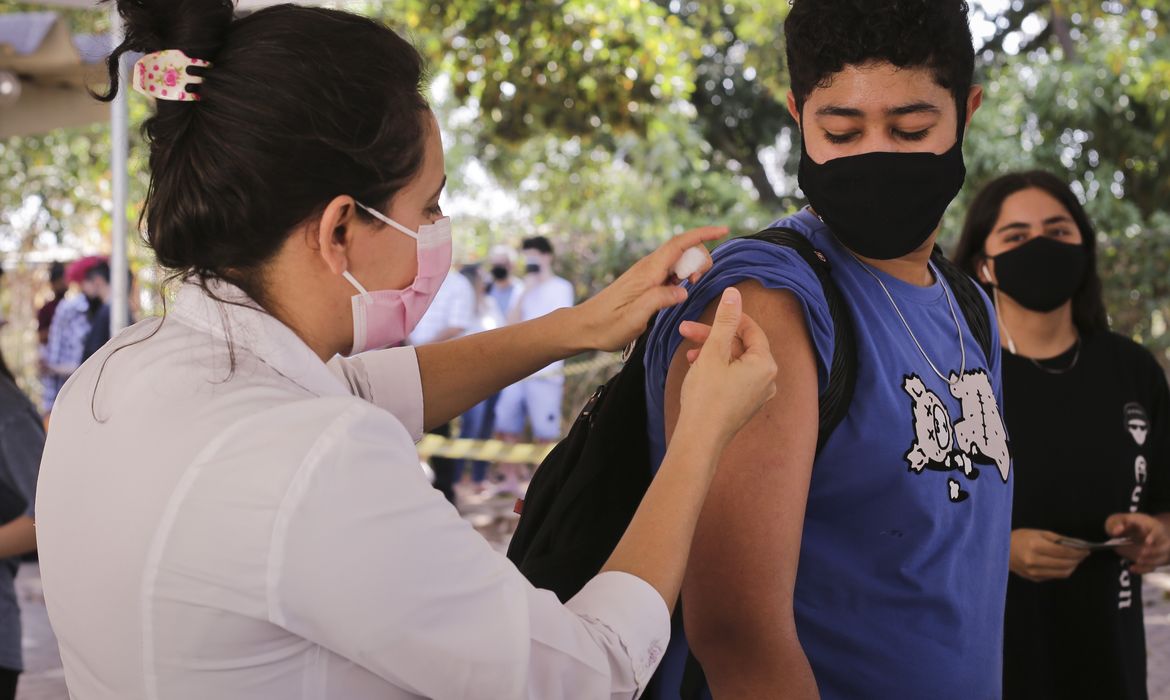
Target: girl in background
1088	413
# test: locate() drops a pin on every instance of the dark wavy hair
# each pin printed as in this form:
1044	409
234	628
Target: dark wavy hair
300	105
825	36
5	372
1087	304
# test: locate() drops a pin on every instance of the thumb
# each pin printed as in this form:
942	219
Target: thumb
1116	524
726	324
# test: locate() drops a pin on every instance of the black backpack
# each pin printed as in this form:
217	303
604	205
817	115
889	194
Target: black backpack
586	491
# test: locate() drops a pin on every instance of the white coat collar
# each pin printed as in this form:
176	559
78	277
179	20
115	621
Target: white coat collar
240	320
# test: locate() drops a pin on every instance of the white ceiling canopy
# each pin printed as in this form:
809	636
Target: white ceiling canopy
44	70
48	70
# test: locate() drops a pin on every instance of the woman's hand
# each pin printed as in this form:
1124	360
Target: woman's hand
620	312
731	377
1036	556
1151	542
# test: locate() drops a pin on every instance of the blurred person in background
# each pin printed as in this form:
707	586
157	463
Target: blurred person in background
22	439
478	422
59	286
69	329
534	403
451	315
98	287
1088	412
505	288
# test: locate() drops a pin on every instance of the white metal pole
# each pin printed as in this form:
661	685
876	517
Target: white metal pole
119	157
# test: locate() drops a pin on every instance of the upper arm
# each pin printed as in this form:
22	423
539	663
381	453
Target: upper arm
742	570
22	441
373	564
370	562
389	379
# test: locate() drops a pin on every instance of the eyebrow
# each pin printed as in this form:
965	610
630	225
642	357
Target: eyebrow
899	111
1058	219
442	186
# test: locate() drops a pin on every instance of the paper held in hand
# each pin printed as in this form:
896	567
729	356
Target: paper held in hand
1094	546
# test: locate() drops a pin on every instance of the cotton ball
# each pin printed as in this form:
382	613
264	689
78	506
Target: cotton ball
691	262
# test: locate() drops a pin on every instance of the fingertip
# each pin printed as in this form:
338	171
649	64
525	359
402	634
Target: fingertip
731	296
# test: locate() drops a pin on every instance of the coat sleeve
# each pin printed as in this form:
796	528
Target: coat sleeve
390	380
369	561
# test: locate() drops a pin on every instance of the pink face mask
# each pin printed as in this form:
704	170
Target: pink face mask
386	317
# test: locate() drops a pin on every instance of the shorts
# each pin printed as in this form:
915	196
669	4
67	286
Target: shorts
538	400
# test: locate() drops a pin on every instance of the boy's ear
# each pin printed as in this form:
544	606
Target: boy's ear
974	102
792	109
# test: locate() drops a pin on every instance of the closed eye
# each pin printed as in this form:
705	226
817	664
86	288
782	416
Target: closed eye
911	135
840	138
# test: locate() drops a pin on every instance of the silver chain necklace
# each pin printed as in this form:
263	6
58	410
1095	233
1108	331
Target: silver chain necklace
1061	370
955	316
1011	345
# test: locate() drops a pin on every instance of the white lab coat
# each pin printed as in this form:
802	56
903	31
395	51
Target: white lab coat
266	532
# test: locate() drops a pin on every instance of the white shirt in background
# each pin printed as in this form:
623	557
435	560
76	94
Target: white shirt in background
453	307
264	531
540	298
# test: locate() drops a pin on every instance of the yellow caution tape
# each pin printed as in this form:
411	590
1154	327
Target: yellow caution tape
573	369
601	362
496	450
482	450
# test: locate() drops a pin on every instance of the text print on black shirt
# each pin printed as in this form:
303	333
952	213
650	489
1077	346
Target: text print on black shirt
1137	422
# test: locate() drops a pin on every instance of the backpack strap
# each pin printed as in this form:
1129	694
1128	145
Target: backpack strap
838	395
969	299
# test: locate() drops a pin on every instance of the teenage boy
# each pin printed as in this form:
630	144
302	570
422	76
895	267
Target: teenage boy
877	566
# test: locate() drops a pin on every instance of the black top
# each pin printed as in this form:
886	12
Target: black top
99	332
1086	444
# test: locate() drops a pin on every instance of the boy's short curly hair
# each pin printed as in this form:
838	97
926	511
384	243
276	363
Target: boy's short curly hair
825	36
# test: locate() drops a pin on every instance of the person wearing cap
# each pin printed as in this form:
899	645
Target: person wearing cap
72	321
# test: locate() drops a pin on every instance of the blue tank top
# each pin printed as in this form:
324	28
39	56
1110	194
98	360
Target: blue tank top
904	558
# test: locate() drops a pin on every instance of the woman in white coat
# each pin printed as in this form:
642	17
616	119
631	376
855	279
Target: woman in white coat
227	509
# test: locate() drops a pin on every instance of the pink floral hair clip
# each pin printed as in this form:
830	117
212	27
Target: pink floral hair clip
164	76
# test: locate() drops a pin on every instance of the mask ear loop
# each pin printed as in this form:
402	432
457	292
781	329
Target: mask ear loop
387	220
1011	344
358	285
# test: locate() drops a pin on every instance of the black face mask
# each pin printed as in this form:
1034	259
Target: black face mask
499	273
533	268
883	205
1042	274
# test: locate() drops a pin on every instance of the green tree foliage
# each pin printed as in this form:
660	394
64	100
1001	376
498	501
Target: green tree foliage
1087	96
610	124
